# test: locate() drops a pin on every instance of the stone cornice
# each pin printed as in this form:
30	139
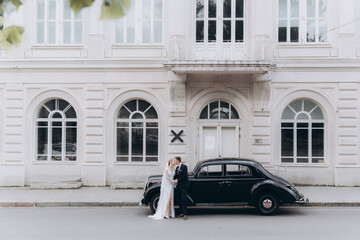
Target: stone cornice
240	67
191	66
320	65
95	65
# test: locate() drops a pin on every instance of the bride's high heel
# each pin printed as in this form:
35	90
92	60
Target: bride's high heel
167	217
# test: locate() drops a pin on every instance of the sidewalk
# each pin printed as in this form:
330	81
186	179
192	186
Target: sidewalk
105	196
331	196
81	197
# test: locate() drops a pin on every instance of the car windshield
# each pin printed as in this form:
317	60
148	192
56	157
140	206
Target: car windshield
196	169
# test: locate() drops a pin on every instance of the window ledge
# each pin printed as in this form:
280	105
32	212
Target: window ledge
136	164
310	45
137	46
51	47
347	166
222	43
54	163
320	165
12	164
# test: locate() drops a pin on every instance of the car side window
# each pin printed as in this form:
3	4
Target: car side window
211	171
238	170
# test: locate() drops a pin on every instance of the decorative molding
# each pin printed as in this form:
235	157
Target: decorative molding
323	65
246	67
82	64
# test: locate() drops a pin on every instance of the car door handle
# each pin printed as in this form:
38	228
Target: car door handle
224	182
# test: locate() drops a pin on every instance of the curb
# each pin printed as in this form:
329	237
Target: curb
136	204
69	204
331	204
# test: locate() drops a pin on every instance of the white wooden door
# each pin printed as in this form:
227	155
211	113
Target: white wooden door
210	142
218	140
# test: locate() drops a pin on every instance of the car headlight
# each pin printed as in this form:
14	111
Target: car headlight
154	182
145	185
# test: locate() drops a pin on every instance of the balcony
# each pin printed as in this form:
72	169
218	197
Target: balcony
220	67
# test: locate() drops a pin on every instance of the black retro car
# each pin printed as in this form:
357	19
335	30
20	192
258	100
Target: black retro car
230	182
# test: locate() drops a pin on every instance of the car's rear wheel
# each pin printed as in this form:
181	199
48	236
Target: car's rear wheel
154	202
267	204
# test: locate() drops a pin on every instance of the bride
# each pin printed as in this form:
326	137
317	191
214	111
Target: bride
165	208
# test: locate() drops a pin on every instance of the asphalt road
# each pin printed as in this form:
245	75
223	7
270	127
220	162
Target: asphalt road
340	223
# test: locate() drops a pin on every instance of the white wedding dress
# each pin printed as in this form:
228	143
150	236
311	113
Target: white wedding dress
166	190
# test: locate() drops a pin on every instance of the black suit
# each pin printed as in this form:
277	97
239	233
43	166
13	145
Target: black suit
181	174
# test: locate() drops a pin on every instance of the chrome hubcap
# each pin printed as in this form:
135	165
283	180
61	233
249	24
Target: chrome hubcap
155	203
267	203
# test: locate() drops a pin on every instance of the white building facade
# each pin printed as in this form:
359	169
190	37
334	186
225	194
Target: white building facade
95	103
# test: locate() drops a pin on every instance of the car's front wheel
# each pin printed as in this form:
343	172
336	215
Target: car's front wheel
267	204
154	202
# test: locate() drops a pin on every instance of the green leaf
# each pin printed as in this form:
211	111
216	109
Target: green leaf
5	44
113	9
9	6
16	3
11	36
77	5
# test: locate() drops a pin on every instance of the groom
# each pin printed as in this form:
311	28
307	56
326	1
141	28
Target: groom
182	181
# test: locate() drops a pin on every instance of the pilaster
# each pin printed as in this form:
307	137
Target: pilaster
261	117
96	41
261	19
12	170
177	116
348	124
347	36
13	123
176	29
93	169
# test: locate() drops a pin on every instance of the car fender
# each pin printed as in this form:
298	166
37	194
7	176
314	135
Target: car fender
150	192
285	194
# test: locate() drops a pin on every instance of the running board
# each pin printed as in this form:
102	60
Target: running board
223	204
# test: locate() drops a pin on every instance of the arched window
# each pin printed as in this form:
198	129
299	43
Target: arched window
219	110
56	131
302	133
137	132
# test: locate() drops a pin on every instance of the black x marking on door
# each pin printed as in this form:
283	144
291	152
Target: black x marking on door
177	136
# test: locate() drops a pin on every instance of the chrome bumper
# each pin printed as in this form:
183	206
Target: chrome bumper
302	200
142	202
